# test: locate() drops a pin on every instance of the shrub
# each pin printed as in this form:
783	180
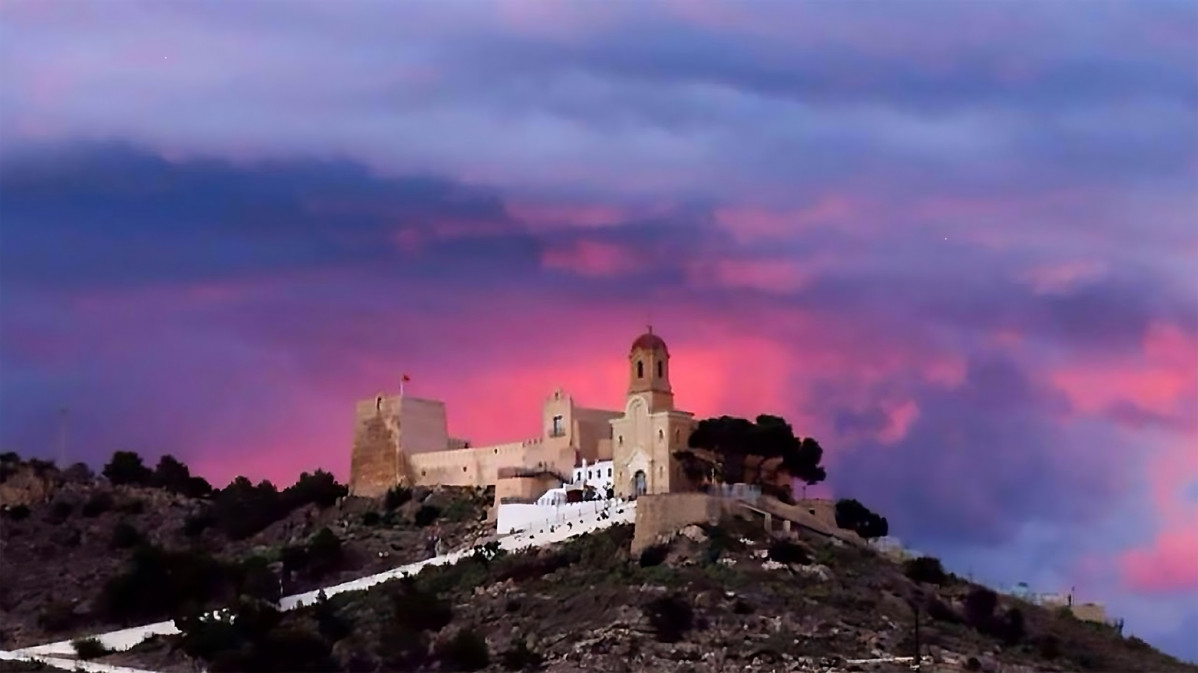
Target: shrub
521	657
488	552
852	515
324	552
319	488
743	607
1048	646
460	510
396	497
16	512
89	648
926	570
465	651
171	475
654	555
78	473
196	524
132	506
972	664
785	551
328	622
158	583
253	640
294	558
60	512
242	509
1012	628
670	616
126	467
980	604
940	611
418	610
426	515
371	519
400	648
124	536
97	504
57	616
258	581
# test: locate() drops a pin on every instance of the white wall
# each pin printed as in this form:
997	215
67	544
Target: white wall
602	475
515	517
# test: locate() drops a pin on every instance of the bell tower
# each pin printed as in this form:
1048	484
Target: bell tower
649	372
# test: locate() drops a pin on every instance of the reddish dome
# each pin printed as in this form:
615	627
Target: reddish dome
650	342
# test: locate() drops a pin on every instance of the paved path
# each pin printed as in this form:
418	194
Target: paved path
621	512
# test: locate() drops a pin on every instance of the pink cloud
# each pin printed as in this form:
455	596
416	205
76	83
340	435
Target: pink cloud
1169	565
1061	277
755	223
899	418
590	258
770	275
1162	379
543	215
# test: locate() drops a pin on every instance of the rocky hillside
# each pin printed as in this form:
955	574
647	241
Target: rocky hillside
80	554
715	598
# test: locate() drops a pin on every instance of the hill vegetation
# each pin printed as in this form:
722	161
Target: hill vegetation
96	555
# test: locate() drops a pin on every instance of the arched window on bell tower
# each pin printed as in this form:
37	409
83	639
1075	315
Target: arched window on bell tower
640	369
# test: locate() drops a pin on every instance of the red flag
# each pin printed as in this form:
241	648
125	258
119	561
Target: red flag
407	378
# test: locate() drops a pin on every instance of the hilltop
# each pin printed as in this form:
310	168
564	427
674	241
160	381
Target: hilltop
80	553
708	598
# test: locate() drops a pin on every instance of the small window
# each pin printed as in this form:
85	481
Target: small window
659	369
378	403
609	473
640	369
661	435
463	468
620	440
558	428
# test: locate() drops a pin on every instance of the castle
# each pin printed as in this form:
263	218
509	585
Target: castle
400	439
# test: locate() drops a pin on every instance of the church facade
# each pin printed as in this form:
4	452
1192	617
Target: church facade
404	440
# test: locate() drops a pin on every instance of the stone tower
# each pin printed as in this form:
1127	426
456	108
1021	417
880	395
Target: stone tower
649	372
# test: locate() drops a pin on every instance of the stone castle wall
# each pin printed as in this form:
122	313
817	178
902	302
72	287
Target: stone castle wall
665	513
374	465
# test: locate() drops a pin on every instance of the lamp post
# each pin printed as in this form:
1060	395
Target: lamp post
914	599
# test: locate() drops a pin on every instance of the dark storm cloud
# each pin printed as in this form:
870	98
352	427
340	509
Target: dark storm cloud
116	215
980	461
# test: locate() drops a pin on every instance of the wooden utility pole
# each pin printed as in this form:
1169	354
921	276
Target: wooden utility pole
918	649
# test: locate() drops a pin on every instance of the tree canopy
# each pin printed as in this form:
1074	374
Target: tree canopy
734	440
852	515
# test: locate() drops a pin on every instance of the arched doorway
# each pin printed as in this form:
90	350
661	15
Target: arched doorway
639	485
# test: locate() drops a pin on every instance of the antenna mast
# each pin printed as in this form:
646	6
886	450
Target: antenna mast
62	439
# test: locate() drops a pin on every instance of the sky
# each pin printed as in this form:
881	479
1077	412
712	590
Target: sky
957	243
